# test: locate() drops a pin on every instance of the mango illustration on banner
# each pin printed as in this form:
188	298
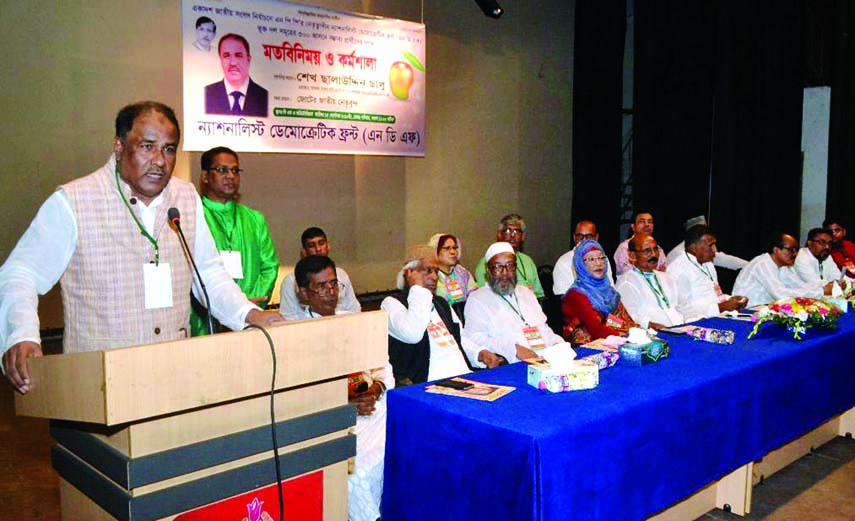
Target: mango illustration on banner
401	75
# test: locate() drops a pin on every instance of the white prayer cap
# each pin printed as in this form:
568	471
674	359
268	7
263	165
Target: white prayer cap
497	248
694	221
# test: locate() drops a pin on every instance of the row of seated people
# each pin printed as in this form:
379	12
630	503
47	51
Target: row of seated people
502	321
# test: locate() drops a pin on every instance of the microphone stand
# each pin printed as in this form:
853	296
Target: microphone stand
175	218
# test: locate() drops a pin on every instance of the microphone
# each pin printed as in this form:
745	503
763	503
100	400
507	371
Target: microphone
175	218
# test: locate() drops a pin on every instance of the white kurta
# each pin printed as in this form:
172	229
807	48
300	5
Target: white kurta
763	282
409	324
653	301
697	297
492	323
811	271
722	259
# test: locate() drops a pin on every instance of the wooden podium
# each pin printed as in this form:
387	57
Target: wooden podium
171	430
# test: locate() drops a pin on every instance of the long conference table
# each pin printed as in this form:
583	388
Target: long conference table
644	439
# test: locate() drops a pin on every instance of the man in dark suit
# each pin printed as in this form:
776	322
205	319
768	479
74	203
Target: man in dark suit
236	94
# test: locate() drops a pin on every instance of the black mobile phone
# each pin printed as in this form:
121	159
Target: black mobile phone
451	383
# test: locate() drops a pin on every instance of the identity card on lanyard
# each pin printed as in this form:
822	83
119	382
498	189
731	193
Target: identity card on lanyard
532	333
158	285
440	334
533	337
232	262
454	289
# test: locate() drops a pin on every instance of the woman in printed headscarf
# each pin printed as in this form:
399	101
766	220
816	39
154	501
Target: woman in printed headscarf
592	307
454	282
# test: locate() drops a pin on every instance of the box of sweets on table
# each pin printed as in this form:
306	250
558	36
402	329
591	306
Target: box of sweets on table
578	375
644	354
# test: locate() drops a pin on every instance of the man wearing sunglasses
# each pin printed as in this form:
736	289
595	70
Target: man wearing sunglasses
240	233
770	276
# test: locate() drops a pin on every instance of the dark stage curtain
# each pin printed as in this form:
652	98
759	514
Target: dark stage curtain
718	104
597	116
841	160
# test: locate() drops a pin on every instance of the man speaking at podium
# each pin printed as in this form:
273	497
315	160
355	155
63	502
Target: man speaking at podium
106	238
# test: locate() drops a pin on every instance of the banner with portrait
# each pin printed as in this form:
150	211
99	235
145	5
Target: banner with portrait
269	76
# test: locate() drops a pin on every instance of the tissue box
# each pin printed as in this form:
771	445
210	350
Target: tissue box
583	374
605	359
644	354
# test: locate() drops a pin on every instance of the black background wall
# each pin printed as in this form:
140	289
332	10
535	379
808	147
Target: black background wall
717	113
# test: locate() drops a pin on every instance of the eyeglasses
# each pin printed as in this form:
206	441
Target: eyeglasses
450	248
512	231
792	249
330	287
496	269
821	242
648	251
223	170
602	259
584	237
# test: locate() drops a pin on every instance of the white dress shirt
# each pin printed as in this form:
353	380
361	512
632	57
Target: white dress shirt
811	271
496	323
698	291
291	309
649	297
564	274
44	251
722	259
409	324
763	282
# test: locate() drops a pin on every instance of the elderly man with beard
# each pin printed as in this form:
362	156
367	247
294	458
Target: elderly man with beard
649	295
425	336
814	263
504	317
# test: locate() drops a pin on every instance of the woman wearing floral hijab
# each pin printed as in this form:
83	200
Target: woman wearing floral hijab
592	307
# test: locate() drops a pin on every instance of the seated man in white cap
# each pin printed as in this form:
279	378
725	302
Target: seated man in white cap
649	295
425	341
504	317
721	259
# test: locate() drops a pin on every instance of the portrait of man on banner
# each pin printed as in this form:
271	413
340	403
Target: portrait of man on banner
236	94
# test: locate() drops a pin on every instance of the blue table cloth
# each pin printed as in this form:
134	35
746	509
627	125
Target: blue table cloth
643	439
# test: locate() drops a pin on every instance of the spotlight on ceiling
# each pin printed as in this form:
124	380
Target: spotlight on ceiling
491	8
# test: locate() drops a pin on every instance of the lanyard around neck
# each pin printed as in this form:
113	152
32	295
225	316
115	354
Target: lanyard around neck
144	232
661	297
516	309
700	267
